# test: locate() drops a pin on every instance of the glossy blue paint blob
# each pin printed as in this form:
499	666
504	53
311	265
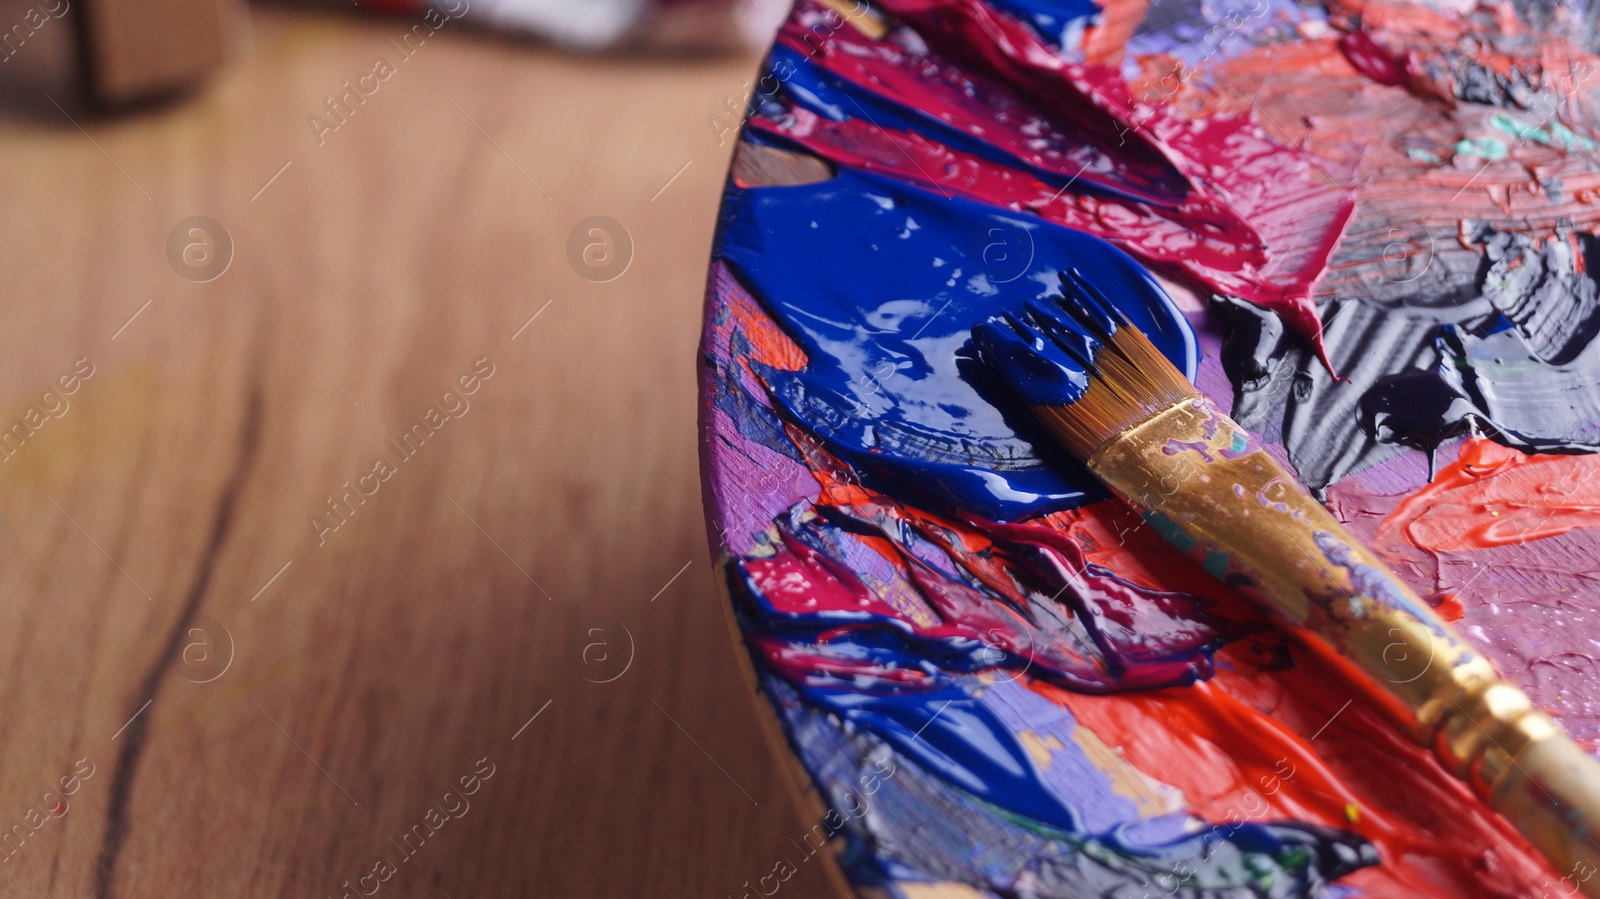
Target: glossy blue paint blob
1047	355
1057	21
1039	370
881	283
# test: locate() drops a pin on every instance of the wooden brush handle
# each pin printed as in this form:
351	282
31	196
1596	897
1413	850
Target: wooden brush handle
1211	490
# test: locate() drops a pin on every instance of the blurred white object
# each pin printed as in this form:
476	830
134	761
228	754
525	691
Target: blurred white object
662	24
581	24
758	21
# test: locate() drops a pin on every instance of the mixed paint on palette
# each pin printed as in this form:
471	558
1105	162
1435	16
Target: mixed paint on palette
1365	227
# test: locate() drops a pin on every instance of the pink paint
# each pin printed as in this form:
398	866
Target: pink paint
1372	60
1211	201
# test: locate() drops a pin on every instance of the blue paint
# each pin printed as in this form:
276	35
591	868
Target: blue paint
948	733
1057	21
1046	355
1059	632
1041	372
880	284
754	421
958	797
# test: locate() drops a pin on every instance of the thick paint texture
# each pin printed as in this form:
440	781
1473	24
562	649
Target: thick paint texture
851	653
1527	604
999	681
869	615
910	826
1519	363
966	100
879	284
1462	294
1495	496
1035	368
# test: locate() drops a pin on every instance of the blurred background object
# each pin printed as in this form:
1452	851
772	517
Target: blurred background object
664	24
593	25
366	549
141	49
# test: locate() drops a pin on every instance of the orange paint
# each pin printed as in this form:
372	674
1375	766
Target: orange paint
1449	607
838	483
1105	41
1264	738
1239	746
769	345
1239	749
1496	496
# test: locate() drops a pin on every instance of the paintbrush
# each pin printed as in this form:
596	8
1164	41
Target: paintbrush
1111	399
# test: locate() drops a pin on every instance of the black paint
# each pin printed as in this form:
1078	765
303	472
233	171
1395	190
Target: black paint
1517	361
1552	304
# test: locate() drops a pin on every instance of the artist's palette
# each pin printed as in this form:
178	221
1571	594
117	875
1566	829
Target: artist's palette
997	681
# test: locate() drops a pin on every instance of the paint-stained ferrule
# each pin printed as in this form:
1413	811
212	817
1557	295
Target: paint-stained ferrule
1211	490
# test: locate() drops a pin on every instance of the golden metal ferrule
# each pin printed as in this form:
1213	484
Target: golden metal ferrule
1210	489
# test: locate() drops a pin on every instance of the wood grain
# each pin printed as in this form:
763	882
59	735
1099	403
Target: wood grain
172	499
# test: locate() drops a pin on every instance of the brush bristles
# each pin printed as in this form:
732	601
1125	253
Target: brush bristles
1131	381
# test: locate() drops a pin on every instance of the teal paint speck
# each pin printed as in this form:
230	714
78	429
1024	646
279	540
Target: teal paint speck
1170	532
1482	147
1557	135
1518	129
1568	140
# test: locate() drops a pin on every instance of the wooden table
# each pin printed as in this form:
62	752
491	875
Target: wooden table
267	706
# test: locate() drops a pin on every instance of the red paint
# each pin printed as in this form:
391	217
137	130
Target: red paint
768	343
1138	622
1372	60
1222	207
1225	742
1238	748
1496	496
1163	242
798	580
1233	171
1113	536
1128	636
1449	607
